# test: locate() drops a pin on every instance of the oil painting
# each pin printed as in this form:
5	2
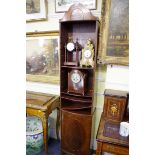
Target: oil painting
32	6
63	5
36	10
115	32
42	57
118	38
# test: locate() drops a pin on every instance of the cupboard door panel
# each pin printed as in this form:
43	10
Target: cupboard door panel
75	132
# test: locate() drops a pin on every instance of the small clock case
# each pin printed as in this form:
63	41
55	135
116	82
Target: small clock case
76	85
72	52
88	54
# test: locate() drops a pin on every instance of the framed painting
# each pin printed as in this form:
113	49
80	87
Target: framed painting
42	57
36	10
114	33
63	5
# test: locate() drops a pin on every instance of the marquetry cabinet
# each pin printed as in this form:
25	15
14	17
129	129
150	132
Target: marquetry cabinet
115	111
115	104
78	51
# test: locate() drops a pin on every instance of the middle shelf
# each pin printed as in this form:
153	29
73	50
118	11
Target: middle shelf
78	67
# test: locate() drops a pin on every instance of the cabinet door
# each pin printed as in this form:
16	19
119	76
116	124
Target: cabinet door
114	108
75	132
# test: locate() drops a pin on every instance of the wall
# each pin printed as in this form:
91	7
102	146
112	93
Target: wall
53	19
113	77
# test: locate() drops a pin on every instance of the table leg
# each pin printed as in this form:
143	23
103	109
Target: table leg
58	123
45	133
62	152
99	148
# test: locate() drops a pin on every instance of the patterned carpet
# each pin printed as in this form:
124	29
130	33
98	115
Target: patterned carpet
53	148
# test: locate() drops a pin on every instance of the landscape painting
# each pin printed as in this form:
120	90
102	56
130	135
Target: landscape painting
63	5
32	6
36	10
42	58
118	37
114	33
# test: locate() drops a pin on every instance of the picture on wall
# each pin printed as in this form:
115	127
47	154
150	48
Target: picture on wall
63	5
42	57
114	41
36	10
118	37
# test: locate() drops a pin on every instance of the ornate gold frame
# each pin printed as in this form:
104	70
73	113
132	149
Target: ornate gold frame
103	38
43	78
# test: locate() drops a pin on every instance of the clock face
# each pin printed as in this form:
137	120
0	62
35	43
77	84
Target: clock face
75	77
70	46
87	54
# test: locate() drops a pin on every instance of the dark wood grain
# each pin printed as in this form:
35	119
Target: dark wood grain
117	100
76	134
79	24
114	143
78	12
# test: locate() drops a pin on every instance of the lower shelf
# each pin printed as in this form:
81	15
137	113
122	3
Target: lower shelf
81	112
75	106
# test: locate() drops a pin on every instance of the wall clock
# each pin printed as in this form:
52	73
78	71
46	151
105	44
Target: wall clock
76	82
87	55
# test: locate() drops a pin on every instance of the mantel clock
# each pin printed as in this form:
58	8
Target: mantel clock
72	52
87	55
77	82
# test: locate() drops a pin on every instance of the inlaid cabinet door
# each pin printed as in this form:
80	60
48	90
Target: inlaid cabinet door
114	108
75	132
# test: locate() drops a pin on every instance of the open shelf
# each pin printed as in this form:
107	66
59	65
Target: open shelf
78	67
87	95
79	111
75	103
76	99
80	27
75	106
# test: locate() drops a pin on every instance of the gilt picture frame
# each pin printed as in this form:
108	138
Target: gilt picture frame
36	10
114	33
42	57
63	5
